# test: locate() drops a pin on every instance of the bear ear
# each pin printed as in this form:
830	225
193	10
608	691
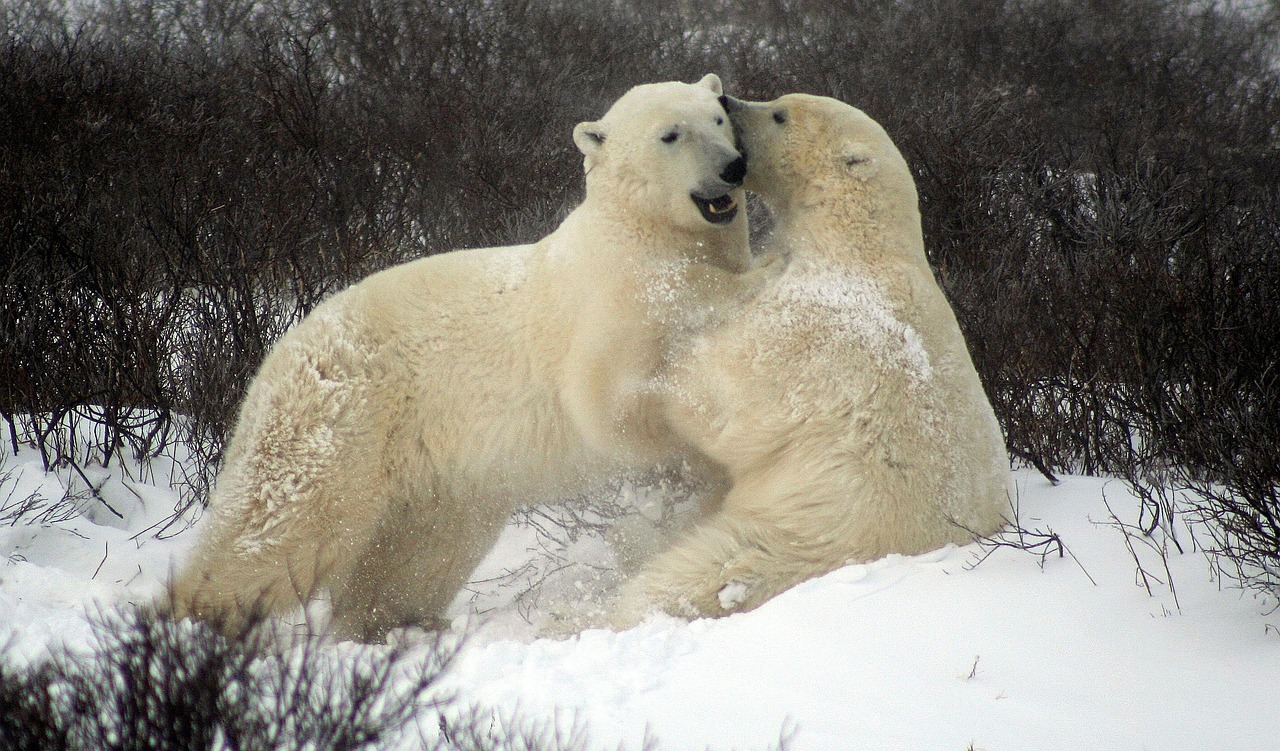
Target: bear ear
712	81
588	137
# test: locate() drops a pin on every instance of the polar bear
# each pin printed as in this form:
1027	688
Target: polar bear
842	404
388	436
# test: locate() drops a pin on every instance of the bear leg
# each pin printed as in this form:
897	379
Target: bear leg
414	567
730	562
232	587
686	580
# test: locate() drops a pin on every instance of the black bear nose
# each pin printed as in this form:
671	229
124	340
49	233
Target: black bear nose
735	171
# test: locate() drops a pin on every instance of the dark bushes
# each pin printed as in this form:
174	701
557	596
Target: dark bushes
181	179
150	683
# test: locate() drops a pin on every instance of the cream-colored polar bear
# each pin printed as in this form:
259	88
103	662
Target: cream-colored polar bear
388	436
843	404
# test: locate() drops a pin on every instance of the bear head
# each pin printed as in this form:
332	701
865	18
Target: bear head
665	152
808	151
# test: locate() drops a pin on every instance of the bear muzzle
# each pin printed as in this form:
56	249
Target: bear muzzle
714	199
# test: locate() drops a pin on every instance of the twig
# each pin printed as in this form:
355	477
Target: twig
1129	532
94	490
1042	543
106	550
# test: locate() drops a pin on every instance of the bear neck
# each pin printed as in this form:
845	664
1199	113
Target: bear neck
852	226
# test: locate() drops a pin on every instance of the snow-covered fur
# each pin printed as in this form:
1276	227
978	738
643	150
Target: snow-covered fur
843	404
388	436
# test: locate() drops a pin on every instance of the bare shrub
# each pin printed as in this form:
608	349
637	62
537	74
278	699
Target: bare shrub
151	683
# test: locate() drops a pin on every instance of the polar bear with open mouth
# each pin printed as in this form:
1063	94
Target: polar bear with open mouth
388	436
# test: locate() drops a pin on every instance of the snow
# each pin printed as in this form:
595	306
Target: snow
732	595
936	651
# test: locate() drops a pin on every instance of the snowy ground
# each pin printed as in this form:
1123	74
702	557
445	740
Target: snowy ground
930	652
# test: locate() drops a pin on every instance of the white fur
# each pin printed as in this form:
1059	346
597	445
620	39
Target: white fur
388	436
842	403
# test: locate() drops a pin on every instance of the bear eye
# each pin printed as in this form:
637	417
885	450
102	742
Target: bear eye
719	120
779	117
670	137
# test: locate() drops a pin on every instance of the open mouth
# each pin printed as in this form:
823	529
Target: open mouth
720	210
